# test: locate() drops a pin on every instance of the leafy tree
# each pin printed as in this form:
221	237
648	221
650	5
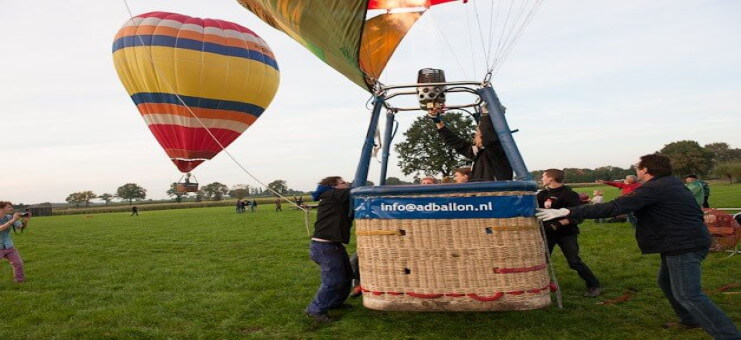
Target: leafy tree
131	191
729	170
239	191
607	173
722	152
87	196
173	191
199	195
278	186
106	197
424	152
215	191
78	198
75	198
688	157
395	181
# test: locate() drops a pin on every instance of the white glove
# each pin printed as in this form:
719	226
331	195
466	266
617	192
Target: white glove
551	214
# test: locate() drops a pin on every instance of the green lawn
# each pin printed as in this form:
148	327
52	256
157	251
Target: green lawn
210	273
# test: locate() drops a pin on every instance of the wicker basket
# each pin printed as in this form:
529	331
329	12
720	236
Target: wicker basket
452	264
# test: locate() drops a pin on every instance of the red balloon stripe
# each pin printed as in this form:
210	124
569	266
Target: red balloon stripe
518	270
552	287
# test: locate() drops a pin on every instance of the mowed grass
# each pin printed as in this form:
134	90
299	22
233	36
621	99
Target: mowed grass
214	274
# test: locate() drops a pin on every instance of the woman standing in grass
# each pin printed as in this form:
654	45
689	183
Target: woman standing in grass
331	231
8	220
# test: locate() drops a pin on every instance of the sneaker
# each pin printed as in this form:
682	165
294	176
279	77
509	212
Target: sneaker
679	325
321	318
356	291
593	292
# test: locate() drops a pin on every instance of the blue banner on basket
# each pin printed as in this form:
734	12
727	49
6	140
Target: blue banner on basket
444	207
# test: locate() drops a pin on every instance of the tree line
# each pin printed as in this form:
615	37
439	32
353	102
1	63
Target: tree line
423	153
214	191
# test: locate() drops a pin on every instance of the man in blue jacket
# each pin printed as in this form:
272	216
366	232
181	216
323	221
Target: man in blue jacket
670	223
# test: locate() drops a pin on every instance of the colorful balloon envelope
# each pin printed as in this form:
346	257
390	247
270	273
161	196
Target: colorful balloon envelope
197	82
361	48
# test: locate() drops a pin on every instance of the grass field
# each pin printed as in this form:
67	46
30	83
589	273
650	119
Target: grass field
210	273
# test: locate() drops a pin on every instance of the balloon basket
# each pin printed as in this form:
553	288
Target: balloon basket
725	232
186	187
451	247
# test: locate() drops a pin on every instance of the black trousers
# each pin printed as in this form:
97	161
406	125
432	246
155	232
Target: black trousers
570	248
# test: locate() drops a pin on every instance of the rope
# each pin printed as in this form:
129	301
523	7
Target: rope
559	298
223	149
449	45
510	46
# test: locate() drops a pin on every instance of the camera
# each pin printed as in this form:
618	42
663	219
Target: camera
25	214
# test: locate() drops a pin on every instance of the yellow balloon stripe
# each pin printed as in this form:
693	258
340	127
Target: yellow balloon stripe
196	74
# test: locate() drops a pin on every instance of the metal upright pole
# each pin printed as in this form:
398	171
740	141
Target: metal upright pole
361	174
496	114
387	135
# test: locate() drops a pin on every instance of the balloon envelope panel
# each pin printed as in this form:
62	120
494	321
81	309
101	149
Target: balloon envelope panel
185	73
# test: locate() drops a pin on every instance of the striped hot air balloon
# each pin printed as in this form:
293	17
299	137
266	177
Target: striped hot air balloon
185	73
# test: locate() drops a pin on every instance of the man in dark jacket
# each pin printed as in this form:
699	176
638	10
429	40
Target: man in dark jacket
563	232
331	231
490	163
670	223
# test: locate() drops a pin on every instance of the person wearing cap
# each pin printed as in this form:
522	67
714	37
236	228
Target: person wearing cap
8	221
670	223
331	232
695	187
490	163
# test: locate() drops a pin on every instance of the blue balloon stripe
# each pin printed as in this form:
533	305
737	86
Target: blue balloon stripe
204	103
190	44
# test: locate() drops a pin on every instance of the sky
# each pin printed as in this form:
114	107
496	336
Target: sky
588	84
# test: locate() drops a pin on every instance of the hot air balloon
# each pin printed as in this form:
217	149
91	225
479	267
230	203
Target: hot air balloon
198	83
455	247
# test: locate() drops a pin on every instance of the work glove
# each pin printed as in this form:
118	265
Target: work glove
551	214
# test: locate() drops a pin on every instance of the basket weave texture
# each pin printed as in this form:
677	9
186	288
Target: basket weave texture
479	264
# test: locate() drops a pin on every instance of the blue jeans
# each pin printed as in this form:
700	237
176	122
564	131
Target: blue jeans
632	218
336	276
679	278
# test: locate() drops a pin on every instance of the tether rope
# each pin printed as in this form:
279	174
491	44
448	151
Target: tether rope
450	46
223	149
559	298
500	57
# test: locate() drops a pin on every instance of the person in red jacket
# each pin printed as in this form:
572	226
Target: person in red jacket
627	186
